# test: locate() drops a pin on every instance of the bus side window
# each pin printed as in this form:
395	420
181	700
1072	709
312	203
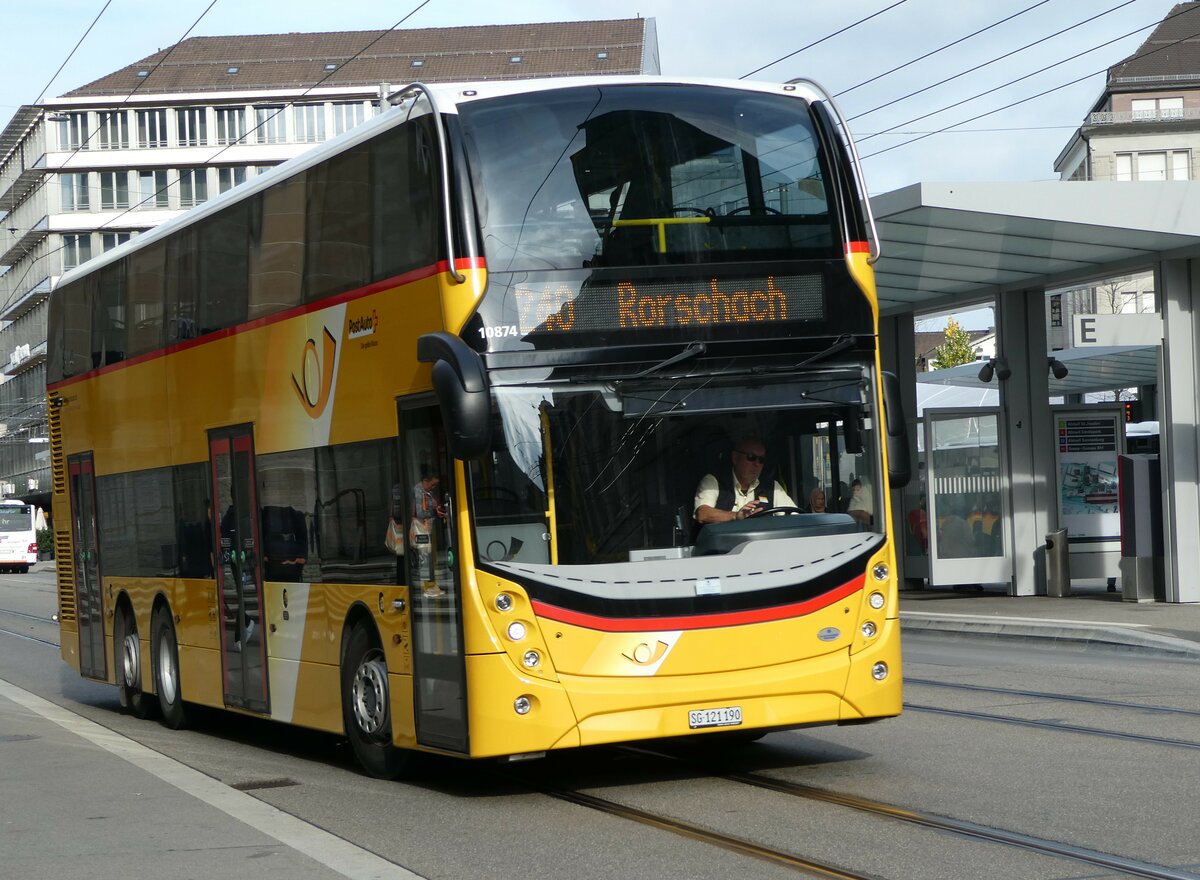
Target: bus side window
408	234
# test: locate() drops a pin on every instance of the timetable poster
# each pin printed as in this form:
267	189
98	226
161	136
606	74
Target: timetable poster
1088	446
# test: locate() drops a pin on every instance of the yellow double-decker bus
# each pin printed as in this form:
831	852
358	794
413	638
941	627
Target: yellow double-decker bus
525	416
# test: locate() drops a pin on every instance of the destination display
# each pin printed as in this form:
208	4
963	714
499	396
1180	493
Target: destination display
558	307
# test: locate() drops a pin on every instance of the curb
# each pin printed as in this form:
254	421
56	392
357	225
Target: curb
1111	637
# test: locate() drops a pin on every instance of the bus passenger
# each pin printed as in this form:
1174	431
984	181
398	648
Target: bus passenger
737	494
860	503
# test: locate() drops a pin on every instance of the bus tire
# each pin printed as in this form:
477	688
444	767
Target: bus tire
24	569
127	661
166	670
366	705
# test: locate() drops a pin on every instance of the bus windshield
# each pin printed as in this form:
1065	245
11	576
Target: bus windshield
593	474
643	175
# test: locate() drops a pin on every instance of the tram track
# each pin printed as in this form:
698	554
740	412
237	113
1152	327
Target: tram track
1051	696
27	637
25	616
943	824
1054	725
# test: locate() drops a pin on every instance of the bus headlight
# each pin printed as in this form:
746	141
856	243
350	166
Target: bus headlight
522	705
516	630
880	571
532	659
879	671
876	600
504	602
869	629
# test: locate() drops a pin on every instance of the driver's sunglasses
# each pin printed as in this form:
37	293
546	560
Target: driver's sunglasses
750	456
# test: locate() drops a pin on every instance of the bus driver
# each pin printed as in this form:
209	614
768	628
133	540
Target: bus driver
737	494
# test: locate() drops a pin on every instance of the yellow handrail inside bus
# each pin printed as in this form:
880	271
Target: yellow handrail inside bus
548	457
662	223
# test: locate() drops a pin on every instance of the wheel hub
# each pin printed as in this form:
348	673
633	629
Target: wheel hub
370	695
131	659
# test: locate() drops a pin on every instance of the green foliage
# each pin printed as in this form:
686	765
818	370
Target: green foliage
957	348
45	542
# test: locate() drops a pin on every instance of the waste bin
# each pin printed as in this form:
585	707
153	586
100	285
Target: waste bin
1058	565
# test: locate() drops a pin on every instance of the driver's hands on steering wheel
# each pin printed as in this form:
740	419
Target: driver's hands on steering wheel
750	509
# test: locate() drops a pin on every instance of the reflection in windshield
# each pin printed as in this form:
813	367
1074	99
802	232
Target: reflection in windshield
634	175
613	472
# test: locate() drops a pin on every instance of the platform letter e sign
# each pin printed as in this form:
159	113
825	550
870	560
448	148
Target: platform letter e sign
1087	331
316	375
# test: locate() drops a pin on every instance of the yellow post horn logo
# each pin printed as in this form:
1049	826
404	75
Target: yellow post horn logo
315	384
645	654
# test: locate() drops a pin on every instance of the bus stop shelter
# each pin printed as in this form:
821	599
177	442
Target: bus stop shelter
948	246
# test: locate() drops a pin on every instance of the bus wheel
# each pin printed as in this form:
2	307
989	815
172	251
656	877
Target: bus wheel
127	651
24	569
166	670
366	706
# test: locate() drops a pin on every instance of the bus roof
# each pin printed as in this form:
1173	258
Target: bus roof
449	96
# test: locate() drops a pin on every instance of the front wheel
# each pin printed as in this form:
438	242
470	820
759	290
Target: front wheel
366	706
166	670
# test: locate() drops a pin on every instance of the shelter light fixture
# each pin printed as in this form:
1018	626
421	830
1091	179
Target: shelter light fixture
994	366
1057	368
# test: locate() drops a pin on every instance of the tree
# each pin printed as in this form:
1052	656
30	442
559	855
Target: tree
957	348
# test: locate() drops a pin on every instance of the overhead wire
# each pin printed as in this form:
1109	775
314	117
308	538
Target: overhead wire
1009	55
71	54
821	40
949	45
109	224
1023	100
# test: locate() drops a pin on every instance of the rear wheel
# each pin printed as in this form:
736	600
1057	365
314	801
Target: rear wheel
366	706
166	670
127	651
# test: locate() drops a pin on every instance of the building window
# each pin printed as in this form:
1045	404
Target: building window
1158	165
152	128
76	249
110	240
74	191
113	130
346	116
231	124
193	186
191	127
72	131
1156	108
309	122
271	125
114	190
228	178
152	190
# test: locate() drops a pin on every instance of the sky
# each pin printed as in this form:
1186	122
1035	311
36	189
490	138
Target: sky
855	41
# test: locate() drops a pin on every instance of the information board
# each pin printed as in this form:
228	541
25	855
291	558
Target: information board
1088	441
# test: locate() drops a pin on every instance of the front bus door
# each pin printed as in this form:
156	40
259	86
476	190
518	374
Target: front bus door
89	598
427	489
239	580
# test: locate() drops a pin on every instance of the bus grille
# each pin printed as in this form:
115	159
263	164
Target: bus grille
66	574
58	463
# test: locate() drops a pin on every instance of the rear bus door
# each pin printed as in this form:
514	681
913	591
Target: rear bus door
238	573
89	597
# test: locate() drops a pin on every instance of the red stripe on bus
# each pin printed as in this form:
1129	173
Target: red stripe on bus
858	247
699	621
438	268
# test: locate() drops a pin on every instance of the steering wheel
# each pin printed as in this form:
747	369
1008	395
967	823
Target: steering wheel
746	208
769	510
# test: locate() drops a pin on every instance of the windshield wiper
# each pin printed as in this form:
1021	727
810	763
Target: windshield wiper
842	343
693	349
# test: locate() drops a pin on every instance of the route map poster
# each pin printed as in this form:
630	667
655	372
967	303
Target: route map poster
1089	442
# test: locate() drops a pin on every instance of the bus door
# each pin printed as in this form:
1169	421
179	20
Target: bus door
427	486
89	597
238	574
